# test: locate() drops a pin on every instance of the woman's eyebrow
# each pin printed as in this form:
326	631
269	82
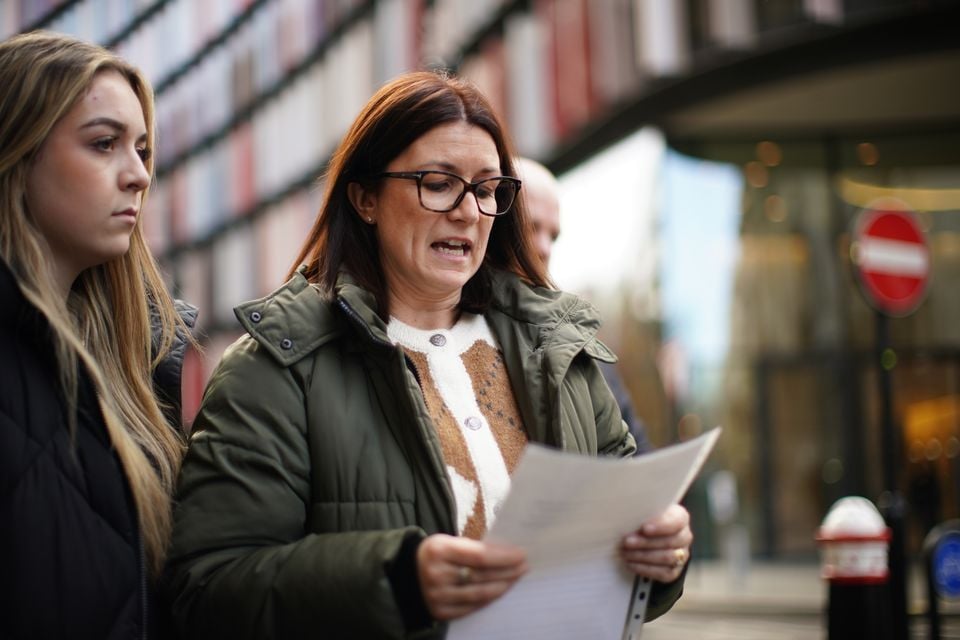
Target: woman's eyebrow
446	166
103	120
113	124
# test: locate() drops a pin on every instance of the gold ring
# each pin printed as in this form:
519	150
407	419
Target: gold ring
679	557
463	575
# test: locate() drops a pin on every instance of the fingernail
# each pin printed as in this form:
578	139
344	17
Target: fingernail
633	539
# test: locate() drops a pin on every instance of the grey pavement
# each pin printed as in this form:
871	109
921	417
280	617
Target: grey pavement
764	601
697	626
768	601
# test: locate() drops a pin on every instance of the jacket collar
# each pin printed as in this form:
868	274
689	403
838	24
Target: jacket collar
361	306
296	318
10	295
18	314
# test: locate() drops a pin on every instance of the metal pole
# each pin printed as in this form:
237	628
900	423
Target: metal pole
933	613
892	503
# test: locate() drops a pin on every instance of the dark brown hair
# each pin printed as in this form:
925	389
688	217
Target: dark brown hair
397	115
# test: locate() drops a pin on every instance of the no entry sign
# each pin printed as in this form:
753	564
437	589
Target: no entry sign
892	258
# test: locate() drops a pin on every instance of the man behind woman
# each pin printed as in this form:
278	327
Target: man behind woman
88	456
542	194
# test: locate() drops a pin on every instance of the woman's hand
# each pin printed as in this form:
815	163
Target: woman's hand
461	575
660	548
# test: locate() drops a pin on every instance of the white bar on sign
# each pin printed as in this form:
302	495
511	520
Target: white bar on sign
894	257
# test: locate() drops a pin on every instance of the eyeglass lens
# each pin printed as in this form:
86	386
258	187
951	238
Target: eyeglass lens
440	192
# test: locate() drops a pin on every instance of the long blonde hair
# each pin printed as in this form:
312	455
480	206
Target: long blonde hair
106	323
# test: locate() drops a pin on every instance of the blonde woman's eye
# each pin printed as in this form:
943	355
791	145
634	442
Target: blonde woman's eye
104	144
144	153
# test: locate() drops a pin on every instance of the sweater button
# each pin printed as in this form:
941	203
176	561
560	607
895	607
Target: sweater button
438	340
286	344
255	316
473	423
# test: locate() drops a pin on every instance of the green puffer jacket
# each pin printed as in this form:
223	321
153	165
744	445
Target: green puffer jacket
314	460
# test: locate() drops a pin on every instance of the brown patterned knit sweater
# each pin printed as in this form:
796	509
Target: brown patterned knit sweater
467	392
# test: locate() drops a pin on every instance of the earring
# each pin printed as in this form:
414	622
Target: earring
369	219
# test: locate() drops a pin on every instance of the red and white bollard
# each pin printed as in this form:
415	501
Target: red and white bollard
854	543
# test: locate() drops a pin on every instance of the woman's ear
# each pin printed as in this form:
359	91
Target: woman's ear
364	201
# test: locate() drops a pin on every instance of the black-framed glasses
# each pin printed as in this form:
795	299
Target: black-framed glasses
442	191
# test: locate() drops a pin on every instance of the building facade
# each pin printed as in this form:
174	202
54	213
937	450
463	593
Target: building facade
779	122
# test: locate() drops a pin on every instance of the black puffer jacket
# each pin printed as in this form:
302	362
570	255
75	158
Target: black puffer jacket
71	559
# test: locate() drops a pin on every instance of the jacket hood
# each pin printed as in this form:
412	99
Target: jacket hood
561	320
290	322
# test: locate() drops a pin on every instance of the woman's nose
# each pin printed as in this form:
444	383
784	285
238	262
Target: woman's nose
468	210
135	176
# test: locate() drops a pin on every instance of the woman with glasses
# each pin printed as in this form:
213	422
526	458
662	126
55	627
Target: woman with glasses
353	449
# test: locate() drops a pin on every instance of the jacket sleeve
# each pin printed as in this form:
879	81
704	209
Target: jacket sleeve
664	595
242	563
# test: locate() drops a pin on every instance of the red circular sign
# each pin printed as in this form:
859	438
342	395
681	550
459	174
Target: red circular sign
892	258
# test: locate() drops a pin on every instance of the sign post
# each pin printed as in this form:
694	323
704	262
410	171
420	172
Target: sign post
893	266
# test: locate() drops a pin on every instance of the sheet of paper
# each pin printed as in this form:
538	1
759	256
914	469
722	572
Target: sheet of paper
569	513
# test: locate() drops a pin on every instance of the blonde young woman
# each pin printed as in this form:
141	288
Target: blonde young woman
90	348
